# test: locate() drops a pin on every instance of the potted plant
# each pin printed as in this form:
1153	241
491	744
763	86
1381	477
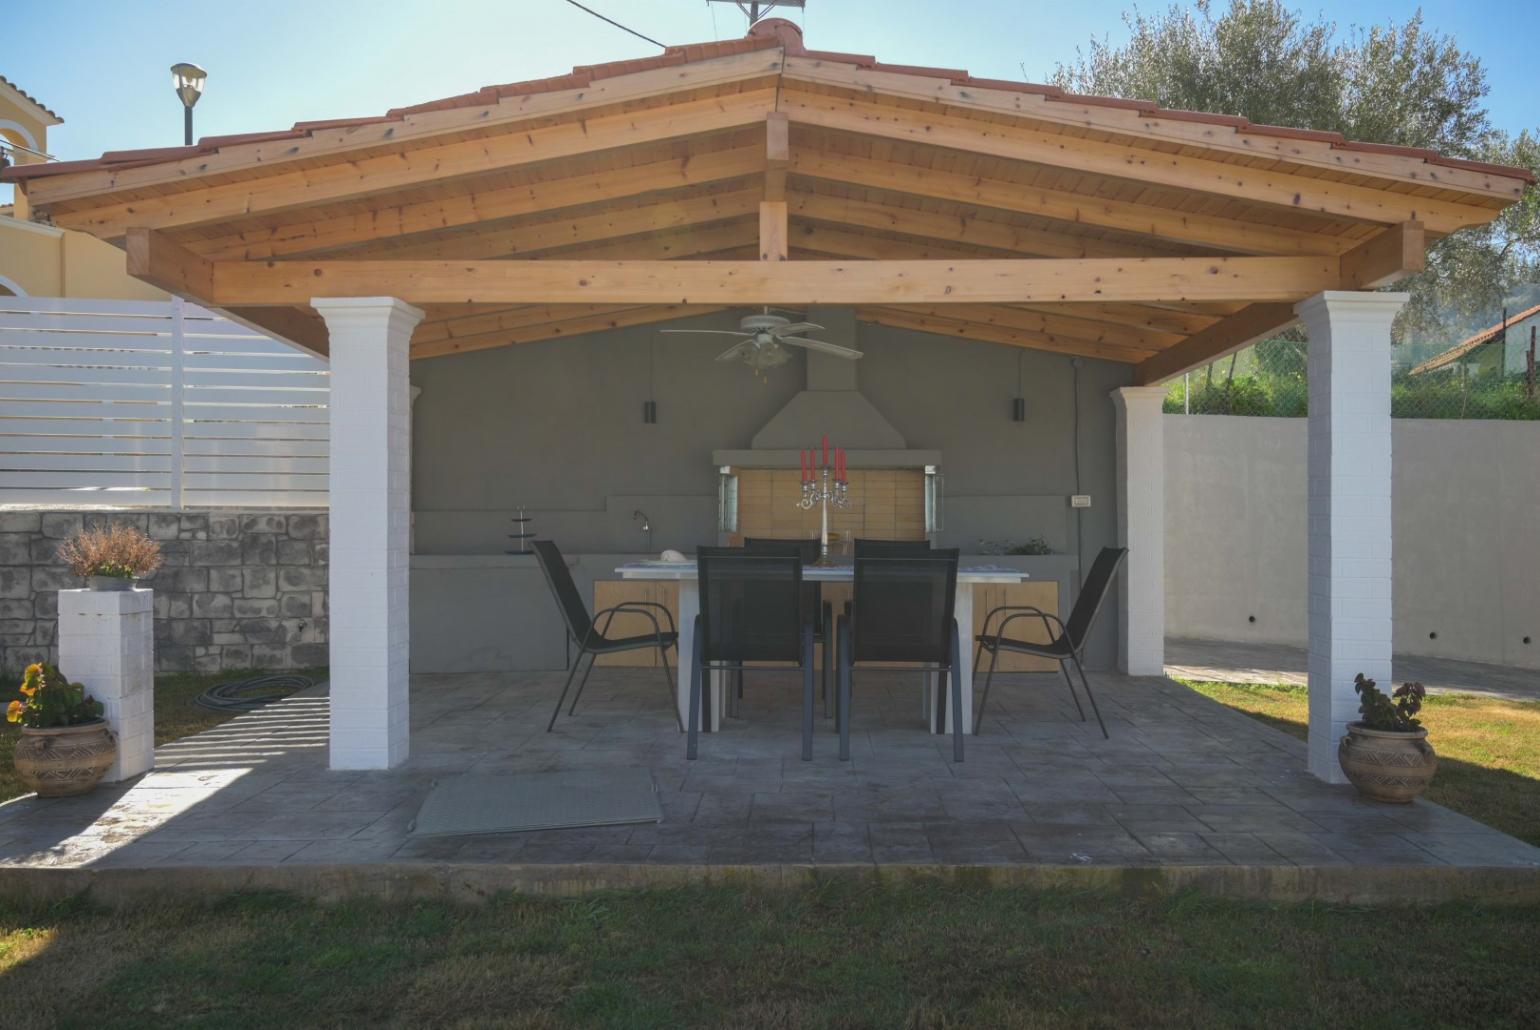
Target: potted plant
65	745
1386	753
111	558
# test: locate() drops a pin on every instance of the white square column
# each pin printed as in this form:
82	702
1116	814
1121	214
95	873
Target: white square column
371	508
1142	529
107	644
1350	517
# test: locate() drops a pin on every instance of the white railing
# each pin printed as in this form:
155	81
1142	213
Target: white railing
155	404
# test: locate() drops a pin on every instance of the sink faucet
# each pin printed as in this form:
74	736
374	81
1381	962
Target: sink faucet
641	516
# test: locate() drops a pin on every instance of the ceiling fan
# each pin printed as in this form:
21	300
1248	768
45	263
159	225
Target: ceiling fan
761	338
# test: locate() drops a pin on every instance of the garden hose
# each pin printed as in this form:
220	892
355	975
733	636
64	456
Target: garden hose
246	695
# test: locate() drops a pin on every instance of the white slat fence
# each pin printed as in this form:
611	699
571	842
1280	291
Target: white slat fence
155	404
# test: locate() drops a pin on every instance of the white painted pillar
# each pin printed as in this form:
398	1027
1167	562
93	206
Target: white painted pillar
107	644
370	488
1350	508
1142	529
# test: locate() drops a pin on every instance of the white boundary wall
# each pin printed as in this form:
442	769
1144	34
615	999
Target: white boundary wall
1466	526
155	404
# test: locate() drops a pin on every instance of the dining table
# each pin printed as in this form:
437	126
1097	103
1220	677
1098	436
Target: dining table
969	579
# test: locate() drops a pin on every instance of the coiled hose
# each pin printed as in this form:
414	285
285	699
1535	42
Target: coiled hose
246	695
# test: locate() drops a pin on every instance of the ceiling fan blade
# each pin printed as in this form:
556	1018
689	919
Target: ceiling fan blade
835	349
795	327
735	351
709	332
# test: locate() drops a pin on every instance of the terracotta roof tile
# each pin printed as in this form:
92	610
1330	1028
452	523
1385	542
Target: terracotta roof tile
766	34
1470	343
31	99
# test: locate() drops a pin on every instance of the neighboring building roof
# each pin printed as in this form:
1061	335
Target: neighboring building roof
43	112
767	34
1470	343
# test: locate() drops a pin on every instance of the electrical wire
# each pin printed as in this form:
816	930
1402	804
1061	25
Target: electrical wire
617	24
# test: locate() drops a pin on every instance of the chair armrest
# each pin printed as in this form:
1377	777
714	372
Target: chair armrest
649	604
984	632
1027	612
640	608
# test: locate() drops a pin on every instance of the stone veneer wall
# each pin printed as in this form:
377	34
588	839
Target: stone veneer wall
238	590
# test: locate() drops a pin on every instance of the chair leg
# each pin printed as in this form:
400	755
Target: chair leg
1087	685
807	694
693	730
565	687
671	687
939	698
842	712
957	716
1064	671
828	658
989	677
582	683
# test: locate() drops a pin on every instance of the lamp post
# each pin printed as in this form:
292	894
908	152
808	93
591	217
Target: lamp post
187	79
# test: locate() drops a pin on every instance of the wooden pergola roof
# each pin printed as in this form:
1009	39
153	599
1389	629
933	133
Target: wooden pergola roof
755	171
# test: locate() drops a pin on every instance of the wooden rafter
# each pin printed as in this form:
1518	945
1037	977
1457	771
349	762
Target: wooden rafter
560	328
941	326
1252	323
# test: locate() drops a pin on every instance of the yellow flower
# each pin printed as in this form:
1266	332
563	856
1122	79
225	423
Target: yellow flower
29	691
13	711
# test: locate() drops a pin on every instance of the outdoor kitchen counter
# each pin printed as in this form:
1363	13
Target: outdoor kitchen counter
494	612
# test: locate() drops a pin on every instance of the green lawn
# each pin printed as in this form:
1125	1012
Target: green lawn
840	955
177	714
1488	749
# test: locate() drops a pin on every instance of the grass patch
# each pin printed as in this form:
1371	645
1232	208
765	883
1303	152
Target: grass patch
1488	748
830	955
177	714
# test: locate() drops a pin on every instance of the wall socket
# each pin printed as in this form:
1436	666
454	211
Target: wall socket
1080	501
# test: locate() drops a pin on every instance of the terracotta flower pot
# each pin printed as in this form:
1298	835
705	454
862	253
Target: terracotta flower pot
60	761
1386	765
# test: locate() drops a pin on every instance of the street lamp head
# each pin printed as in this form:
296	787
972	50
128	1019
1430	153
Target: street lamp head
187	79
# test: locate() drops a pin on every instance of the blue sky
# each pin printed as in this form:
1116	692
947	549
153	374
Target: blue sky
103	65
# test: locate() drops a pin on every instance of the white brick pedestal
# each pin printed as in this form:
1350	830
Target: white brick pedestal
1142	529
1349	529
107	643
370	487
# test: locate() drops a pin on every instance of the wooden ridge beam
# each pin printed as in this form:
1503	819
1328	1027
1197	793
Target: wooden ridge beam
777	154
773	243
1202	175
989	281
653	180
1250	324
369	176
908	319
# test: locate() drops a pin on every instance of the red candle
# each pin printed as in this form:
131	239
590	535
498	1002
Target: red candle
826	450
844	469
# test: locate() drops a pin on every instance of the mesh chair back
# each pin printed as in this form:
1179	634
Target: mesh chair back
1092	593
890	548
751	604
573	611
903	608
807	551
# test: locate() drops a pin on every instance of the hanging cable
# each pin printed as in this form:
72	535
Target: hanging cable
617	24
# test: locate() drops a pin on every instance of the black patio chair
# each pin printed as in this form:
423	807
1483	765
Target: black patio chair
750	611
890	548
1065	643
813	605
592	638
904	611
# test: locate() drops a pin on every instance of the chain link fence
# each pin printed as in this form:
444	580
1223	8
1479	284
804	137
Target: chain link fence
1491	375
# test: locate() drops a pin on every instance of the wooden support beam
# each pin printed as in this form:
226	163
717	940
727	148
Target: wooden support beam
778	282
1252	323
1394	254
559	329
777	154
902	319
772	230
1275	188
298	326
165	264
1077	209
1063	322
371	175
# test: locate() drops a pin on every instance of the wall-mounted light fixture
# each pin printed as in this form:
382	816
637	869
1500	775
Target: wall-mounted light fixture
650	406
1019	402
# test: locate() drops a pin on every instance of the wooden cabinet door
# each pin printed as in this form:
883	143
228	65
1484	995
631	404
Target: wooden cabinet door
610	592
1044	595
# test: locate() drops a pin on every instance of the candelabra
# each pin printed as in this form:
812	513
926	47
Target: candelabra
820	489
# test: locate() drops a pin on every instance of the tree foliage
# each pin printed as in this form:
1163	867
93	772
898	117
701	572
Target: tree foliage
1401	84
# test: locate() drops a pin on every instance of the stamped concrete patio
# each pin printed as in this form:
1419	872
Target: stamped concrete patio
1183	781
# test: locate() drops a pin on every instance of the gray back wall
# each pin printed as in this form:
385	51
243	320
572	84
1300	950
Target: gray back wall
557	427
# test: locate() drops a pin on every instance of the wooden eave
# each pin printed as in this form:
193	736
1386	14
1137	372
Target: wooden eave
1075	225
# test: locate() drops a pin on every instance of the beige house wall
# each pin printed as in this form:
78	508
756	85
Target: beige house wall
46	262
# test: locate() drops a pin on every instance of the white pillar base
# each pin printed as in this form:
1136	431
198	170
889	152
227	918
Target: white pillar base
1142	529
370	488
107	643
1350	509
